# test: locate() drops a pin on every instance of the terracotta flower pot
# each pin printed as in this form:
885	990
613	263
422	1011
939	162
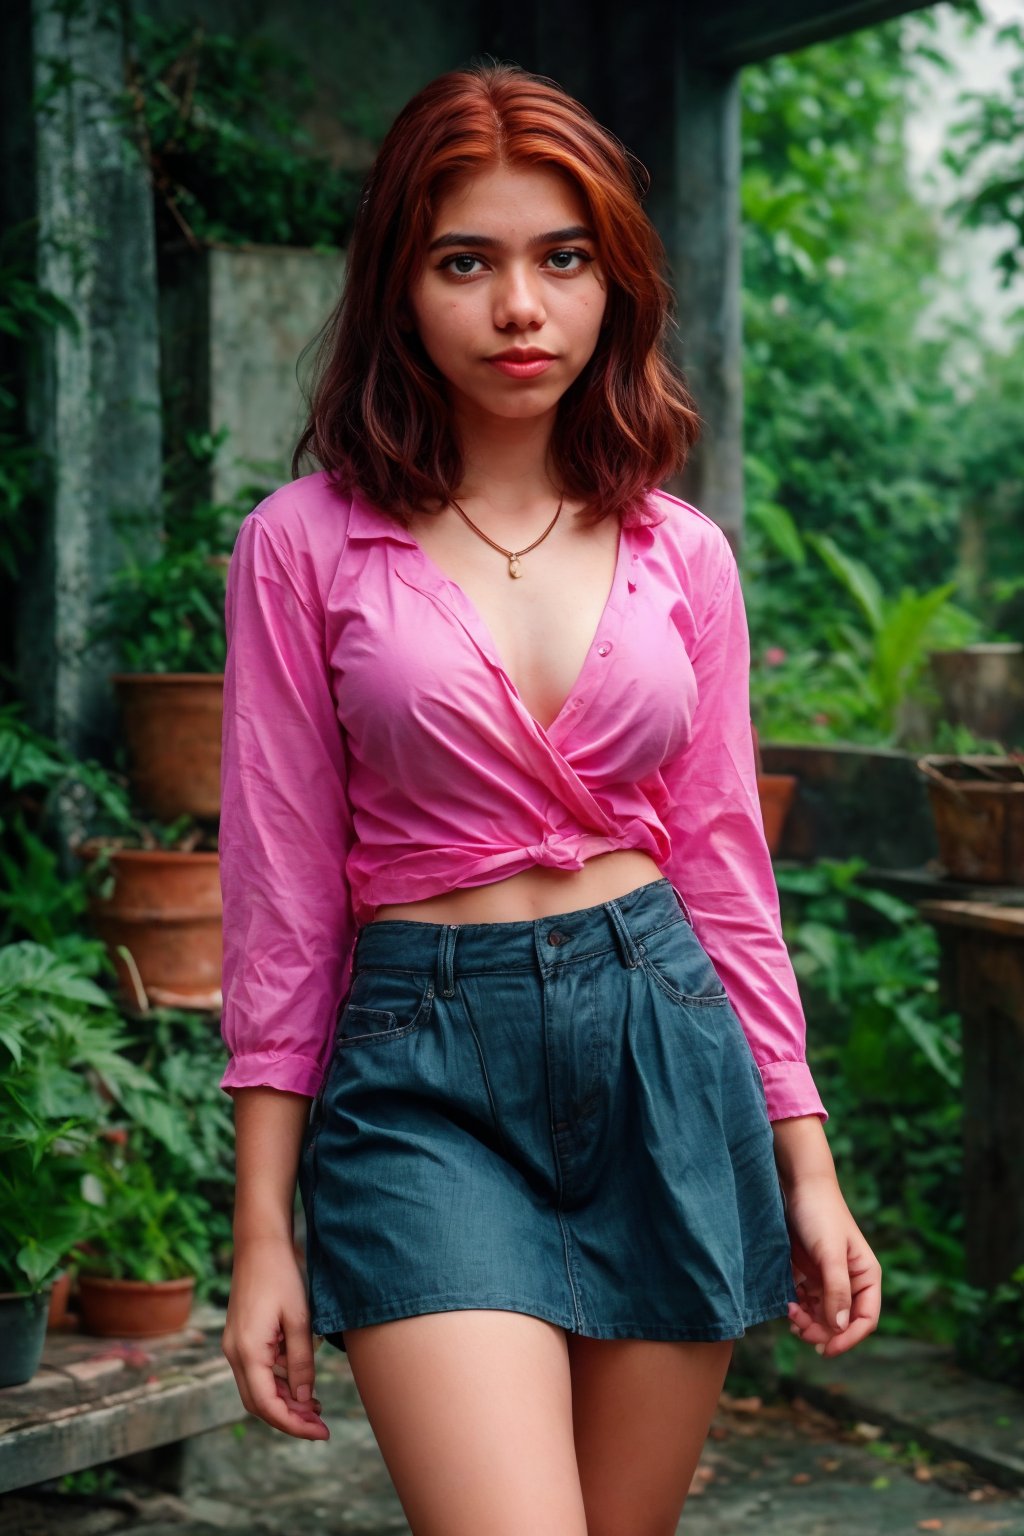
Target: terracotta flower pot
166	910
57	1315
172	725
775	792
134	1309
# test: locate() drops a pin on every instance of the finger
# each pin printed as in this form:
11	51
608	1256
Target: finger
835	1271
298	1349
269	1406
311	1410
839	1343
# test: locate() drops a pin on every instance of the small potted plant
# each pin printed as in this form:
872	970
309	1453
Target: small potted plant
137	1273
61	1066
165	615
154	898
151	891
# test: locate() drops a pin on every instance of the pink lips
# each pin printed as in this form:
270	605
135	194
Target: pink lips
516	370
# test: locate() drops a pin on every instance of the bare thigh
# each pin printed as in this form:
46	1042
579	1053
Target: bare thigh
472	1411
641	1413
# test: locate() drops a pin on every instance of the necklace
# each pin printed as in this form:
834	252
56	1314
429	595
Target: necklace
513	555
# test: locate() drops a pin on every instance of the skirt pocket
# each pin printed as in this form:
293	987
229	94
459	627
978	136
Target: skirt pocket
676	960
383	1006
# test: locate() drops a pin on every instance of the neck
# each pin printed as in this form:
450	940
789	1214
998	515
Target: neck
506	462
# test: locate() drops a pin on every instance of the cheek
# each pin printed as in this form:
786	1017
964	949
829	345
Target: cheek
445	324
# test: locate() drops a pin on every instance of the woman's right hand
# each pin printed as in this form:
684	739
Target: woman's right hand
268	1341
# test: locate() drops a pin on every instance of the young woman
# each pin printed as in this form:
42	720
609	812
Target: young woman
497	896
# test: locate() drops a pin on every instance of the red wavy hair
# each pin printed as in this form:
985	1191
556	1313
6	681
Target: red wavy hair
379	418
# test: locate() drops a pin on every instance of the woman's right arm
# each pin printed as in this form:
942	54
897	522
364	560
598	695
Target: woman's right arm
267	1337
284	837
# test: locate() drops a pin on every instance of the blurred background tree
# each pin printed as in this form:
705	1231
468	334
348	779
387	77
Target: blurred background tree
898	440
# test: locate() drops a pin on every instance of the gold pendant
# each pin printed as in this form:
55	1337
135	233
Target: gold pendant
513	566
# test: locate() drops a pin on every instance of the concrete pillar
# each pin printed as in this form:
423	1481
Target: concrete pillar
93	395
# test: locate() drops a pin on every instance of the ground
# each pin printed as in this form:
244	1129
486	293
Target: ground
777	1464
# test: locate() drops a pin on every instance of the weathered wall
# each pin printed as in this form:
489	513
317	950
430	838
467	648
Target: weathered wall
93	400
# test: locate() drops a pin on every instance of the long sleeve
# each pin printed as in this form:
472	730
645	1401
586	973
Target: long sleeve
720	861
285	827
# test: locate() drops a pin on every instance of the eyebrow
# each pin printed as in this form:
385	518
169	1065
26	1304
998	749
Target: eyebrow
574	232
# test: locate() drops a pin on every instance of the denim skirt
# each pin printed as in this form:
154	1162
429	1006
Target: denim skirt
560	1116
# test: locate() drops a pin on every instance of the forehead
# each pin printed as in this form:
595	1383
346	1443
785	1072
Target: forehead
521	200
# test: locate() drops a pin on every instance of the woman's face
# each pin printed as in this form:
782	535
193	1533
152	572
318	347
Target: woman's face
511	264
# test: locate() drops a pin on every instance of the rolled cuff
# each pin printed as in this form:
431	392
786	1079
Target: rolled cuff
789	1090
267	1069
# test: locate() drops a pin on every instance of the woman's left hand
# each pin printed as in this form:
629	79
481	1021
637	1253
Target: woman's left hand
838	1278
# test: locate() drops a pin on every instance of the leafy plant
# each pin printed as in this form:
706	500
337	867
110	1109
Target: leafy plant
868	420
62	1068
39	898
994	122
145	1229
26	311
887	1058
991	1336
166	614
860	686
215	117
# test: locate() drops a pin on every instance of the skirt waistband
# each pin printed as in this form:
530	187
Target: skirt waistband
453	948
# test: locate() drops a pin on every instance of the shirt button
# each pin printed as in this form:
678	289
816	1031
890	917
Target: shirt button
603	649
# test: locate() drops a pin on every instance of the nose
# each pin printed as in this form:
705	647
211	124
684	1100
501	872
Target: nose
518	300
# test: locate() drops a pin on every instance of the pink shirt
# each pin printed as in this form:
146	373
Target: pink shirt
375	750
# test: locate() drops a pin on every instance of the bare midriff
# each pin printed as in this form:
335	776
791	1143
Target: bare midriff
533	893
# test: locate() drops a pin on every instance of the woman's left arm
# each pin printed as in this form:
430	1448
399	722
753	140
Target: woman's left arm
721	865
838	1278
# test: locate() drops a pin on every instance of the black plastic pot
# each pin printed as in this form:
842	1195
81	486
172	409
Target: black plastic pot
23	1318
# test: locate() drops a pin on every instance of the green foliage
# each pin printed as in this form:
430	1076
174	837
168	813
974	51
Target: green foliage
895	442
858	687
991	1338
40	898
887	1058
166	613
167	1191
150	1197
62	1065
145	1228
26	312
994	124
216	117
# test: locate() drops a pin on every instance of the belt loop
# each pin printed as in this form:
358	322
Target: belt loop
445	958
682	903
627	946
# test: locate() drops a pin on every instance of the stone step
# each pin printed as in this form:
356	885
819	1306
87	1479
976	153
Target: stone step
912	1389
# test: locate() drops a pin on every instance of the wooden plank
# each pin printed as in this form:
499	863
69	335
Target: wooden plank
982	916
96	1399
729	35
